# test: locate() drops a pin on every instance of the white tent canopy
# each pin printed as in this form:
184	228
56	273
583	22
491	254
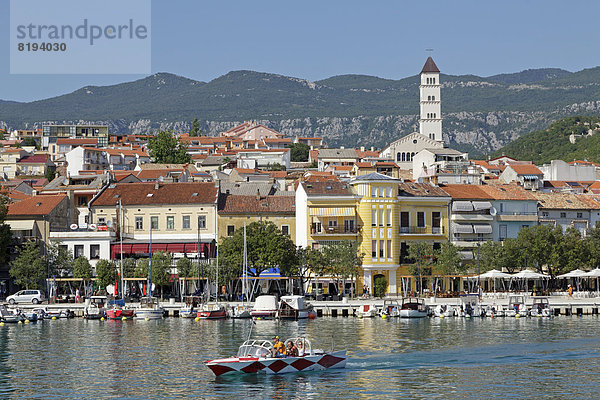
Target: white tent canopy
595	273
529	274
492	274
577	273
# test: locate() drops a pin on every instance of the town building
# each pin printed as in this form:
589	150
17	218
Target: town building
51	133
527	175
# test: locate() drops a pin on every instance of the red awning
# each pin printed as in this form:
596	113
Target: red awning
159	247
176	247
139	248
192	247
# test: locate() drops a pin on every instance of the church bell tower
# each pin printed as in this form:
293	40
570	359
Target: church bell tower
430	122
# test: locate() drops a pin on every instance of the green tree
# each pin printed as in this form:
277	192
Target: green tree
592	243
50	174
275	167
195	131
422	254
299	152
128	268
29	141
60	260
343	259
5	233
28	269
82	268
2	135
186	268
380	286
448	261
161	269
106	273
266	247
167	149
540	248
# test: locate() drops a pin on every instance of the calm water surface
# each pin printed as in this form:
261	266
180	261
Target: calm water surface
389	359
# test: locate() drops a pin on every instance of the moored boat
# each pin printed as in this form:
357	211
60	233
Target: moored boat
149	309
541	308
444	310
119	312
469	306
240	311
258	356
366	311
10	316
390	308
516	306
212	311
265	307
294	307
95	307
413	307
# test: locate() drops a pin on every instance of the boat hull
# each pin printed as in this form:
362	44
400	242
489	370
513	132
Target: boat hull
213	314
412	314
120	313
254	365
148	314
263	314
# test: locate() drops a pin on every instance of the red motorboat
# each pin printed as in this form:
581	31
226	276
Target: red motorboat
214	311
119	313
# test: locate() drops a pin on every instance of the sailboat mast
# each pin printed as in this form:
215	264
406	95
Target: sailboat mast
121	235
150	275
245	266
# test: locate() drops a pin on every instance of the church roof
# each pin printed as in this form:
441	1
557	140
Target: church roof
430	66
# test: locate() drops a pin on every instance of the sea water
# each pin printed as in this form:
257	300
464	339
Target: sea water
503	358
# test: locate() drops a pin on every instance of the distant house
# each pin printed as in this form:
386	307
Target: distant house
527	175
35	165
252	130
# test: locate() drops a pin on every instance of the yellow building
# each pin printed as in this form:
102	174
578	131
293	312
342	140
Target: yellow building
234	210
396	214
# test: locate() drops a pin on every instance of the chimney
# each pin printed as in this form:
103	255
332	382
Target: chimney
156	185
372	148
362	148
257	194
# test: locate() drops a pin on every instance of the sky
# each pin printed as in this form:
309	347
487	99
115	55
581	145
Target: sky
314	40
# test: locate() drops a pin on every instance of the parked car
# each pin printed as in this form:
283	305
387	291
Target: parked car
26	296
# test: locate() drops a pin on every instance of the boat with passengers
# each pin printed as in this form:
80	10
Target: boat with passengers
259	356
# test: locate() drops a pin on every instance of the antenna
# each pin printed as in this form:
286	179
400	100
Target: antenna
429	51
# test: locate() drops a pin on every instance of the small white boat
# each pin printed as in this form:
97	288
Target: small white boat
257	356
265	307
469	306
366	311
212	311
516	306
29	315
10	316
390	308
95	307
444	310
55	313
413	307
149	309
494	310
240	311
541	308
188	312
294	307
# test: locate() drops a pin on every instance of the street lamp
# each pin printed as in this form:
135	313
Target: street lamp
478	271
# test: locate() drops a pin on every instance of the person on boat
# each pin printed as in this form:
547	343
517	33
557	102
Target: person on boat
300	348
291	350
279	347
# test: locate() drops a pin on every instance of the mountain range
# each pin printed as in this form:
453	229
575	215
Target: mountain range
481	114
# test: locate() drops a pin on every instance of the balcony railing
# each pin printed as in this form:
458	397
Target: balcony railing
517	213
336	230
422	230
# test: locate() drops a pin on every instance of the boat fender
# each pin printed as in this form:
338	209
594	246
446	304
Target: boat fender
124	319
53	318
147	319
197	319
383	316
26	321
19	322
102	319
517	316
441	315
1	323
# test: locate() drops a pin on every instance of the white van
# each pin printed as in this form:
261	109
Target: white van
26	296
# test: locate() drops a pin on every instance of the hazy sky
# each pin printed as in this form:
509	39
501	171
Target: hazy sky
318	39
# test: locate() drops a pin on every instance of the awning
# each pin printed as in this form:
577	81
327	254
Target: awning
531	177
332	212
482	205
21	225
159	247
462	228
462	206
482	228
176	247
138	248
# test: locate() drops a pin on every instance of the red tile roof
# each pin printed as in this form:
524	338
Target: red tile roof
328	188
507	192
34	159
167	193
36	205
526	169
430	66
254	204
464	191
77	142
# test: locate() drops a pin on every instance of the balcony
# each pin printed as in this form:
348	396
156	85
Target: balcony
421	230
473	217
518	216
335	230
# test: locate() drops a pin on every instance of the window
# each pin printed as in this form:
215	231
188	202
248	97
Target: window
170	222
373	191
332	223
388	245
436	222
201	221
563	215
420	219
139	223
389	217
374	248
388	192
349	225
381	190
94	251
185	223
437	246
285	229
230	230
381	248
404	222
579	215
381	217
154	222
81	201
503	230
545	213
501	207
78	252
398	157
403	253
102	220
373	217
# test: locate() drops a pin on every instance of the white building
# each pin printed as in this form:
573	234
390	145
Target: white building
93	159
256	158
559	170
